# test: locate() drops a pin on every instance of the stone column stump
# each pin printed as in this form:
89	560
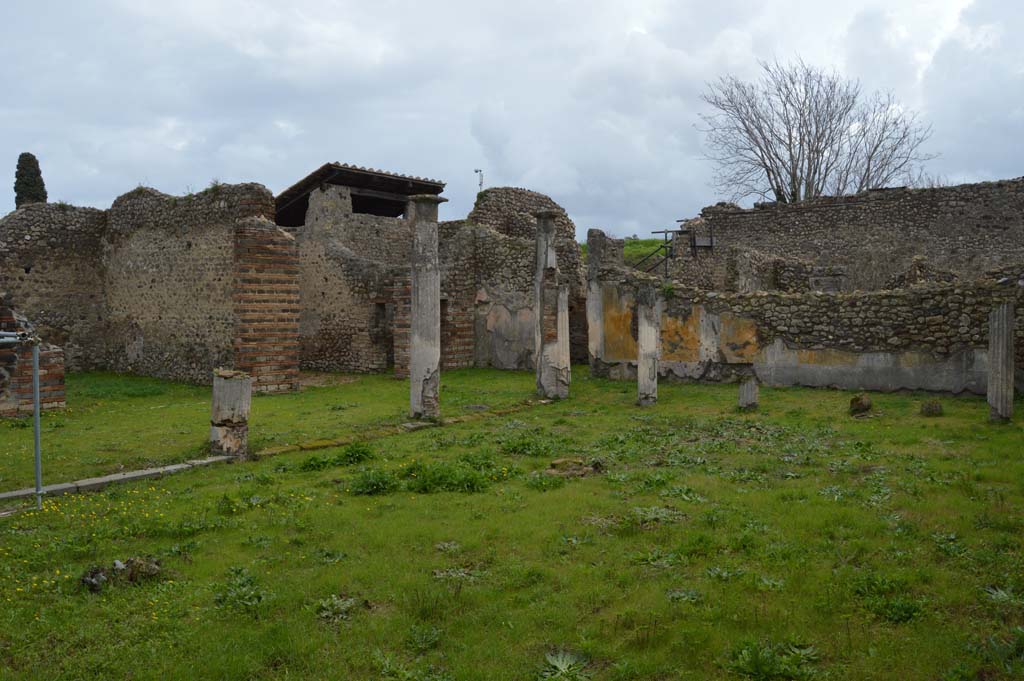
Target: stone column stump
1001	322
748	393
648	312
425	315
551	308
229	421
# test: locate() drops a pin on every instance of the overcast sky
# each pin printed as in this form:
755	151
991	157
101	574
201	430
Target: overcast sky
595	103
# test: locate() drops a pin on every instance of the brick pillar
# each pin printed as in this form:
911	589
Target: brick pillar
551	308
648	312
425	315
266	302
1001	349
16	372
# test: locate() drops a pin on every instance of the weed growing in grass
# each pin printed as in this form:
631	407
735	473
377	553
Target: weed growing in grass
241	592
768	661
650	516
392	669
328	557
373	481
427	478
337	608
684	596
422	638
564	666
886	598
357	452
542	482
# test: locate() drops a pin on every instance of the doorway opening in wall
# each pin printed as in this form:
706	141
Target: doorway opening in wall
382	331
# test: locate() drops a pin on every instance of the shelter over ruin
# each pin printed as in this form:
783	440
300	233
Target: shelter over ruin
373	192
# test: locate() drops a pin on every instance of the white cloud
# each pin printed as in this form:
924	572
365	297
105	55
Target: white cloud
594	102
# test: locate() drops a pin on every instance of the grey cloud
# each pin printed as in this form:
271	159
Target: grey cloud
595	103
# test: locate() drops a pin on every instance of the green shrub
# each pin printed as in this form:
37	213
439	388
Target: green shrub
373	481
357	452
427	478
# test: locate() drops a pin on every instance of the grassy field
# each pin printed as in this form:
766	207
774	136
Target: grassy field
793	543
118	423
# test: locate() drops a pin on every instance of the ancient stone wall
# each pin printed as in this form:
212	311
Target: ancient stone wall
169	280
931	337
346	320
51	271
965	229
509	212
159	285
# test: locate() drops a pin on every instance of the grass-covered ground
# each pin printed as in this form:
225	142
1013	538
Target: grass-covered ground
117	423
792	543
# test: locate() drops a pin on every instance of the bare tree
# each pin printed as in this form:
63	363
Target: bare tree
801	132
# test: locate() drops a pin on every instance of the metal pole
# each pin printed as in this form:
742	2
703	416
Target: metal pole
35	404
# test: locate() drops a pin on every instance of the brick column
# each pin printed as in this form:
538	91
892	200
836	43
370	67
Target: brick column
266	302
425	315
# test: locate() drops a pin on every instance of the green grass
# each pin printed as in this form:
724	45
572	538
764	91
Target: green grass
117	423
792	543
633	250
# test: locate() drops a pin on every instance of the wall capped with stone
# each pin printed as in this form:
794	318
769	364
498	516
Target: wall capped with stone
169	279
965	229
931	337
152	285
50	270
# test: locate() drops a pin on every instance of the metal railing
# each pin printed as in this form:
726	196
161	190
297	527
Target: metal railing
16	339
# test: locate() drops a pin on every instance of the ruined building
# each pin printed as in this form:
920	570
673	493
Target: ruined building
317	278
886	290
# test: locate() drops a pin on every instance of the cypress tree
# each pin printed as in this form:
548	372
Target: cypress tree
28	181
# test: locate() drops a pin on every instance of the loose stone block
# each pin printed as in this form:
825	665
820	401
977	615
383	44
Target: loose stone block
229	419
551	307
648	311
425	315
748	393
1001	322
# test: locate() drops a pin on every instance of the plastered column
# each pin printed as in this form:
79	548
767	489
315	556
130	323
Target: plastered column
648	316
229	418
748	398
1001	322
425	315
551	307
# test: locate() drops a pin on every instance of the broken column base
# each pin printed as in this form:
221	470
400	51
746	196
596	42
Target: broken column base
748	398
230	439
229	420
